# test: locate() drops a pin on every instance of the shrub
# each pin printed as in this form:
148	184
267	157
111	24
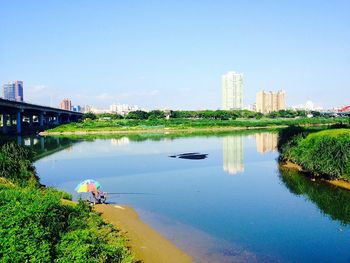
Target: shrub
324	153
30	219
16	164
89	115
36	227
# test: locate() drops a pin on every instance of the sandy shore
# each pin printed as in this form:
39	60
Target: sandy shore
146	244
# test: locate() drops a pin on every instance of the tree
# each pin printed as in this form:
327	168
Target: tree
156	114
89	115
137	115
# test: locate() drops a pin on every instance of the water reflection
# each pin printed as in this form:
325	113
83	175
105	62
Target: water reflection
331	201
233	161
266	142
43	146
120	141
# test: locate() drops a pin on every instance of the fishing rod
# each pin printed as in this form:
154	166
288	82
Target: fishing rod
130	193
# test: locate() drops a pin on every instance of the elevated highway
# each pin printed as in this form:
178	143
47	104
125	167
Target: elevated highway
22	116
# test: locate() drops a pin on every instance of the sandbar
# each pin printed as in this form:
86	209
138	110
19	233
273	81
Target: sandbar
146	244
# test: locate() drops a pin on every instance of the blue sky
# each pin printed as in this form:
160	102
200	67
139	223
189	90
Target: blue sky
171	54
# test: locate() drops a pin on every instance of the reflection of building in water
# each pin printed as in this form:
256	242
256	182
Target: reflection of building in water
233	154
266	142
120	141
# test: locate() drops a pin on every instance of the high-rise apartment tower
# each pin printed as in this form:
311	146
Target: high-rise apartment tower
66	104
13	90
232	91
268	101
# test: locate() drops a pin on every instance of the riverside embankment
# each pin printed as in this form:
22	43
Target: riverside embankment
324	154
102	126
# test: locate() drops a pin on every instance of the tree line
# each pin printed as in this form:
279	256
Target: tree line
201	114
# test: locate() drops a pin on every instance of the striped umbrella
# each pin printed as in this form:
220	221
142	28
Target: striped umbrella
88	185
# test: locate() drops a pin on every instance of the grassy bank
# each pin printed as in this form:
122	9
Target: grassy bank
322	153
164	125
37	226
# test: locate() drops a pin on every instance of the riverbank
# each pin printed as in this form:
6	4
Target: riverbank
158	131
323	154
69	231
33	216
146	244
181	125
338	183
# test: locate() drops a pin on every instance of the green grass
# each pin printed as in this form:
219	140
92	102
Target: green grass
323	153
183	124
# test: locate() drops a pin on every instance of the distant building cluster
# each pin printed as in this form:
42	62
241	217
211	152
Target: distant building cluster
232	91
122	109
13	90
232	95
269	101
66	104
309	106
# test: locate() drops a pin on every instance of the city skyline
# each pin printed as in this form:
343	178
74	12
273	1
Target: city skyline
102	53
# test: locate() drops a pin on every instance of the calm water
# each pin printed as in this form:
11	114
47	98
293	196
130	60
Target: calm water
236	205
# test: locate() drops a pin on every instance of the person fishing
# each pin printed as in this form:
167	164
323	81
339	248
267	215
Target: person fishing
99	197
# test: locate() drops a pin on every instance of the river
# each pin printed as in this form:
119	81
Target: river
236	205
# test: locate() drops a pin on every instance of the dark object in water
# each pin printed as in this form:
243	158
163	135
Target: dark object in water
190	156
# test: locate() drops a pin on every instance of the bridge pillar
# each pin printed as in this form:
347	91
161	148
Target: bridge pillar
68	118
30	117
4	123
10	119
19	140
57	119
41	119
19	122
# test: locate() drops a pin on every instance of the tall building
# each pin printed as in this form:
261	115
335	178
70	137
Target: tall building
233	160
66	104
13	90
268	101
232	91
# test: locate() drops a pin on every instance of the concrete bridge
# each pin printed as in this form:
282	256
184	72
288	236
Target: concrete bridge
18	117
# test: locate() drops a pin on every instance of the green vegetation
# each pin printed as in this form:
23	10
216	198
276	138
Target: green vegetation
36	226
331	200
323	153
89	125
202	114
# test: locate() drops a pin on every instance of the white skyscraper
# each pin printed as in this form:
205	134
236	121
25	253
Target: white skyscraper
232	91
